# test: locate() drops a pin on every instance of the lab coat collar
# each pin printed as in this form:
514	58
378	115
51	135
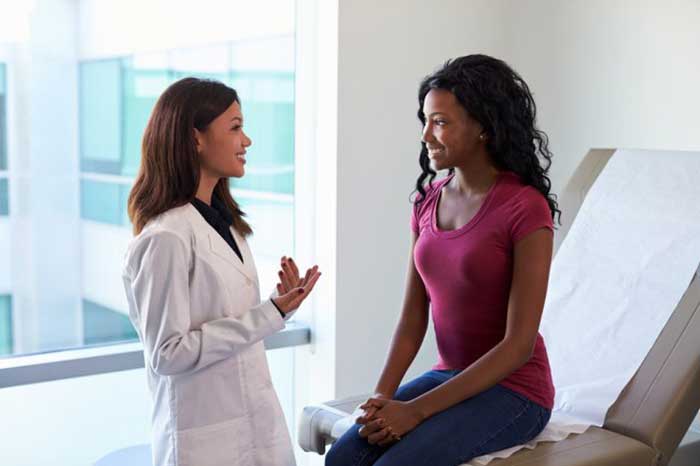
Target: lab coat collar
220	247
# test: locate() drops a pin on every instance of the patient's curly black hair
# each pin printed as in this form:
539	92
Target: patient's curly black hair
497	97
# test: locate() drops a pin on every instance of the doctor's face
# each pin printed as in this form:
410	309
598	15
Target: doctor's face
222	145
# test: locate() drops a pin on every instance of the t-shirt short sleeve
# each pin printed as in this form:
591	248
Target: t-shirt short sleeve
422	205
530	213
414	219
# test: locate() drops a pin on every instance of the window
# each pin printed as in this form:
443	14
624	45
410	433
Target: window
5	324
4	188
4	197
97	76
104	325
117	96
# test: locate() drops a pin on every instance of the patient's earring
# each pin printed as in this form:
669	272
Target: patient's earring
482	137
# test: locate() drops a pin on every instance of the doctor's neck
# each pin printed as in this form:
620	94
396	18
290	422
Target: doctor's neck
205	189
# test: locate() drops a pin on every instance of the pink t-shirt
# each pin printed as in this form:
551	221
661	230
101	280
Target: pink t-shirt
467	273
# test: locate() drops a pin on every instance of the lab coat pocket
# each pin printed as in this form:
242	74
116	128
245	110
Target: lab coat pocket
215	445
210	396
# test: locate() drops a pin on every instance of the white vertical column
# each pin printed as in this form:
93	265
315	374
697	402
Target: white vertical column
316	110
44	162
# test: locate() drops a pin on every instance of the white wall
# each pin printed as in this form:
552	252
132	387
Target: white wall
604	74
384	50
609	73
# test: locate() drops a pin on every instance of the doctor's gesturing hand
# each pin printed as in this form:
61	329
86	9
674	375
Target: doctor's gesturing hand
292	289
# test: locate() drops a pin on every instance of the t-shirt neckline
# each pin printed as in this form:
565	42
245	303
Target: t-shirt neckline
473	221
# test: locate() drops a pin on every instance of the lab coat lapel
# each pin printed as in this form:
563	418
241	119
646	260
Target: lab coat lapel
220	247
248	261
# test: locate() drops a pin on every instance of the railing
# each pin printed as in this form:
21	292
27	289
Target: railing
66	364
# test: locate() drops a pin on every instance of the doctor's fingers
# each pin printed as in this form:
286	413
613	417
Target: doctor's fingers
290	269
287	282
293	266
309	275
310	283
290	300
293	298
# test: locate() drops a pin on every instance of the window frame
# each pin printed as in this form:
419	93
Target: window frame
104	359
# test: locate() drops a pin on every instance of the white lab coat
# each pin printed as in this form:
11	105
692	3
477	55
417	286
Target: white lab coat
197	310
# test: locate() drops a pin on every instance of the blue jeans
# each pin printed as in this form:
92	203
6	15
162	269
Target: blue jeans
493	420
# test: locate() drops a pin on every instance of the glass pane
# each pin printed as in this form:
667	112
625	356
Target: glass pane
3	118
6	342
104	325
105	102
263	74
272	221
104	202
4	197
100	116
201	62
145	78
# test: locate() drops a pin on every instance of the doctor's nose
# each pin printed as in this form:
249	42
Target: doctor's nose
247	142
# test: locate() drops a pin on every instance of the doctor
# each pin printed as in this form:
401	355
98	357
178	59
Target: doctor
193	290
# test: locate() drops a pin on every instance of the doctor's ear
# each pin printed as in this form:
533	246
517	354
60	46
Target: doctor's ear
198	140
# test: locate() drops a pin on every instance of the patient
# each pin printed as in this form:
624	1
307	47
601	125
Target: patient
480	257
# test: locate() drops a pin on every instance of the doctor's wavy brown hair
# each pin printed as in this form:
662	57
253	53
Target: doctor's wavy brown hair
169	173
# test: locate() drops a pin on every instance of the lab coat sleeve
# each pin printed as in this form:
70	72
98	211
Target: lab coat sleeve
160	290
288	315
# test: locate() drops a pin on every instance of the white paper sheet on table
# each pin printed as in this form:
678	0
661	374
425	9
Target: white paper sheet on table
616	279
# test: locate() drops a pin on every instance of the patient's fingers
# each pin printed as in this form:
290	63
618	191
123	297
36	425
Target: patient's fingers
367	416
377	437
389	439
371	428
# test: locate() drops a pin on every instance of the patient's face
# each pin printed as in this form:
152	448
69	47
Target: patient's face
450	134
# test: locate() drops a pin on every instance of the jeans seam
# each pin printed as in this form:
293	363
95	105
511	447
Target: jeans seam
363	454
527	406
536	427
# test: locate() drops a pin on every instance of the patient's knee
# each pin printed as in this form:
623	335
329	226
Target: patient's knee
348	450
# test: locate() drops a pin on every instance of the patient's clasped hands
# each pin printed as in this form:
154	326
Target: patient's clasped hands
385	420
